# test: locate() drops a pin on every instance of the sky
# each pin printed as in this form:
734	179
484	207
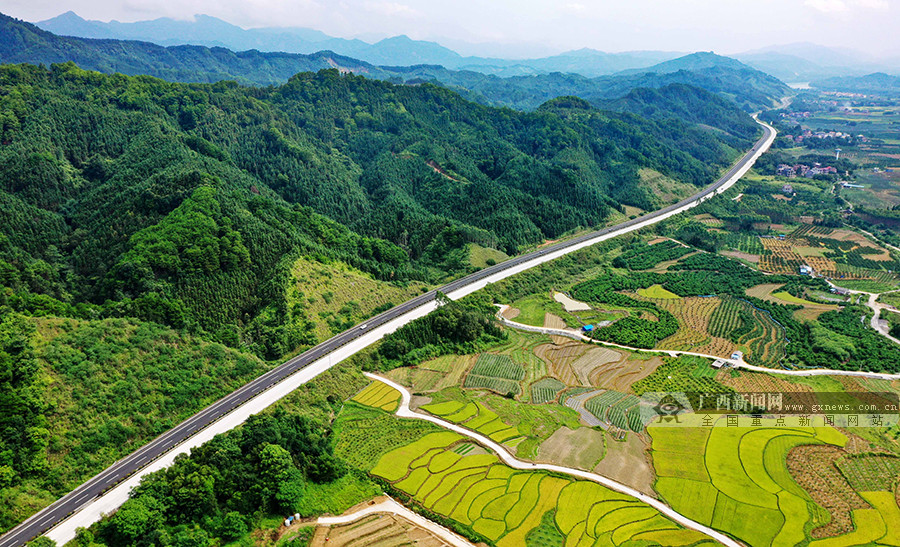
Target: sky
723	26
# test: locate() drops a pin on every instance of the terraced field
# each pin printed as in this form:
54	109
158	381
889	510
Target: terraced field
736	479
546	390
379	395
496	372
618	409
693	316
475	416
771	293
512	507
750	330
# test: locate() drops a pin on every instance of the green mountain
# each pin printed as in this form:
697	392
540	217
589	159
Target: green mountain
751	89
878	83
189	204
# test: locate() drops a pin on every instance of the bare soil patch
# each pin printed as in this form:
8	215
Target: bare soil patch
559	359
620	375
743	256
594	358
628	462
511	313
382	529
581	448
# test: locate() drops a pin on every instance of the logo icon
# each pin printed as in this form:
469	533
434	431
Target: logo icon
668	409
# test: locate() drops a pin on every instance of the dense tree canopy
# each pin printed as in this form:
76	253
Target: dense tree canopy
185	203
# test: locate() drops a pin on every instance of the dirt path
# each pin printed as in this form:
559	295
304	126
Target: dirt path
388	505
576	403
575	335
404	412
876	323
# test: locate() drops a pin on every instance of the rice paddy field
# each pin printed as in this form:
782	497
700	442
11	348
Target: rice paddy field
736	480
508	506
523	427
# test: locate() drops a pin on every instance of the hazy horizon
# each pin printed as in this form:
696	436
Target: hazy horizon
535	27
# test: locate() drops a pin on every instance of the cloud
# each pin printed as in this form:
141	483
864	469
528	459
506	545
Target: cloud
575	7
827	6
391	9
840	6
874	4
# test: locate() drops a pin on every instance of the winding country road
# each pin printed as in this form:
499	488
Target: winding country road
575	335
404	411
105	492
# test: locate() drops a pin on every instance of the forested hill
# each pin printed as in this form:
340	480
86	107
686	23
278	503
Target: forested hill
686	103
186	204
749	88
878	83
22	42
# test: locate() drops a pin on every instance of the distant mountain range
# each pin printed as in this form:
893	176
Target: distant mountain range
746	86
24	42
804	62
396	51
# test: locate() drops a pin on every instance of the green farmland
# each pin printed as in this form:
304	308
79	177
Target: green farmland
505	505
736	480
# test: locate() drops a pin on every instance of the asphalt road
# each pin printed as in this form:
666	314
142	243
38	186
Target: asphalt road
122	469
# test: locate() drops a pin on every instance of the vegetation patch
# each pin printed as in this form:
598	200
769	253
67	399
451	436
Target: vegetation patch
656	292
747	474
508	506
546	390
496	372
335	296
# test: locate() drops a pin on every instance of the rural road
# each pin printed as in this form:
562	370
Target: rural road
876	308
104	493
404	411
575	335
389	505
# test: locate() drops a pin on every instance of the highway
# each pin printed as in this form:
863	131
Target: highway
139	460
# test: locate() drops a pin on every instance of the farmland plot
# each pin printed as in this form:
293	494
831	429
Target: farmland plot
495	372
736	480
507	505
749	329
546	390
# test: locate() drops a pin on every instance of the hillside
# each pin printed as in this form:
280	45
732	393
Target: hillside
189	204
749	88
878	83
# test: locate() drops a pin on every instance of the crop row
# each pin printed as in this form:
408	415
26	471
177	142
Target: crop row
546	390
619	409
506	505
498	366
